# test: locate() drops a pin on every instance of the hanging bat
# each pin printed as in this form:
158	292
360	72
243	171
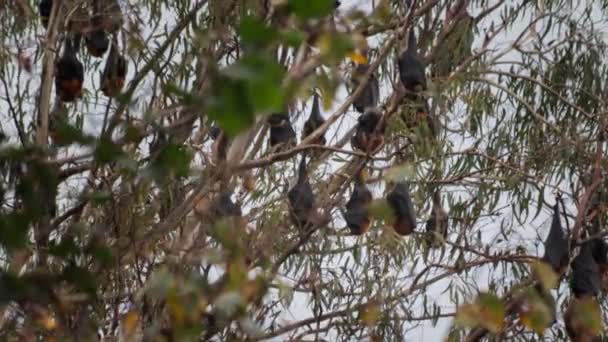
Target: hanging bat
96	40
112	16
314	121
403	209
600	255
69	73
44	9
369	132
225	207
556	244
411	68
301	198
369	96
114	72
357	215
281	131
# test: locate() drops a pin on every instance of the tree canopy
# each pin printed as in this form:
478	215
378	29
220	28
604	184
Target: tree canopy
303	170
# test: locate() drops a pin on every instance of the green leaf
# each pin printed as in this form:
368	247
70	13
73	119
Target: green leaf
251	86
13	230
107	151
255	33
311	8
172	161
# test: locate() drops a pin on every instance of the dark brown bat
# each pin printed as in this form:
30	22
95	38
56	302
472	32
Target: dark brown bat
369	133
281	131
301	198
403	209
96	40
114	72
369	96
225	207
556	244
411	68
44	9
69	73
314	121
357	215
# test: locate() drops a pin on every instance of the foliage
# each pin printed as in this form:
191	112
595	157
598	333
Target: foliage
109	206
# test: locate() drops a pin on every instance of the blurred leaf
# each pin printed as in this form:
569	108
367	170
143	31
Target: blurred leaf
13	230
249	87
255	33
172	161
380	209
129	323
587	316
535	314
65	248
107	151
311	8
545	275
334	47
487	311
369	313
400	173
81	278
358	58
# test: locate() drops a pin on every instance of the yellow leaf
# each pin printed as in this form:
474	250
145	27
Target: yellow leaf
545	274
487	311
357	57
48	322
129	322
400	173
369	313
535	313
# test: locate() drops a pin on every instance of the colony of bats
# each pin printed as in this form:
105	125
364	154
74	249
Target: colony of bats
99	22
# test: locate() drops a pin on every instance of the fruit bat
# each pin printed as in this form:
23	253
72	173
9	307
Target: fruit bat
454	44
96	40
556	244
314	121
77	12
69	73
400	202
584	285
220	145
577	319
44	9
600	255
369	96
411	69
357	213
114	72
112	15
437	224
225	207
369	133
301	198
585	276
281	131
214	132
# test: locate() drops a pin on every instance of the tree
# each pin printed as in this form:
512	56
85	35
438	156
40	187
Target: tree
141	198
